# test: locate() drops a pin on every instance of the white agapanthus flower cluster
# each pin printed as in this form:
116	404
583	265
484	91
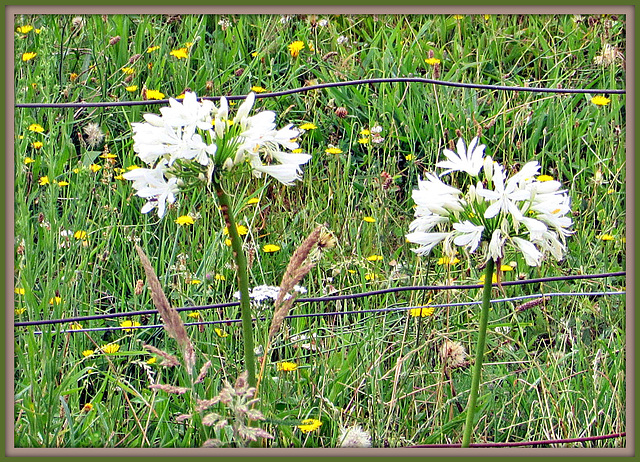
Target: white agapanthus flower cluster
521	211
197	137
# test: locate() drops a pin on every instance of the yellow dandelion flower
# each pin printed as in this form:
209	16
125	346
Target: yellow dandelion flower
308	126
181	53
131	88
253	200
37	145
375	258
371	276
269	248
19	291
194	281
154	94
219	277
43	180
75	326
227	241
108	155
600	100
55	301
28	56
19	311
133	167
152	49
184	220
28	160
422	312
309	425
95	167
369	219
220	333
333	150
363	140
432	61
242	230
24	29
606	237
87	407
152	360
110	348
36	128
448	261
544	178
87	353
63	183
128	70
194	315
80	234
258	89
458	16
73	76
297	151
494	278
286	366
128	323
295	48
506	268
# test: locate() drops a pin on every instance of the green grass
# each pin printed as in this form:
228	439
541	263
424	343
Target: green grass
555	371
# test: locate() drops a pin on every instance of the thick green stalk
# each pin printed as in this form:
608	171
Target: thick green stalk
243	283
477	367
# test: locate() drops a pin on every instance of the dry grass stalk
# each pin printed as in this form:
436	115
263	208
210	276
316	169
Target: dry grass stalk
298	267
169	388
170	317
167	359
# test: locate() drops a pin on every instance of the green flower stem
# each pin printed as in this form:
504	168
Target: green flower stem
243	283
477	367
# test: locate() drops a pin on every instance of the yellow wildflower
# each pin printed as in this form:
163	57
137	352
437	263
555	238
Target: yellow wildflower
24	29
28	56
154	48
375	258
36	128
333	150
286	366
55	301
606	237
423	312
258	89
129	323
110	348
87	353
448	261
295	48
600	100
432	61
28	160
544	178
181	53
131	88
154	94
128	70
95	167
220	333
19	291
43	180
184	220
269	248
369	219
309	425
308	126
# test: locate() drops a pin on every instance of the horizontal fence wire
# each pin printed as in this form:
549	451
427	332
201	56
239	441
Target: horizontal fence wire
333	85
525	443
344	297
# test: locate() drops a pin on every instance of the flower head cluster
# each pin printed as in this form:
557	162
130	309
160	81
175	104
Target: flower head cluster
193	140
521	210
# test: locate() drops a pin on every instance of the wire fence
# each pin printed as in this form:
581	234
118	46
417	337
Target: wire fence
434	288
337	84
